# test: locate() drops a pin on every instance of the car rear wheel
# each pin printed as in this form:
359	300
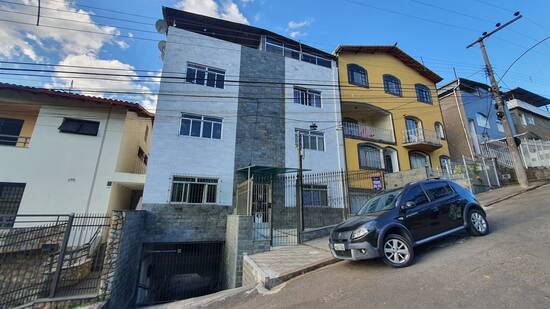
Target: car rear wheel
477	223
397	251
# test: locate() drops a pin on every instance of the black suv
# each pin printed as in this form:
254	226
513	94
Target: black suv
391	224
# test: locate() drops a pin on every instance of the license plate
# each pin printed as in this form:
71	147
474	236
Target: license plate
339	247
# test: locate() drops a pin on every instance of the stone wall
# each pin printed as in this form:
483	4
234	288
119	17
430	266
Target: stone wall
400	179
238	242
185	223
124	250
538	173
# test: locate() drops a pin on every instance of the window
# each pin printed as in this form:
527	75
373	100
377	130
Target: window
79	126
276	47
10	198
418	160
370	157
439	134
445	163
307	97
142	156
523	120
392	85
194	190
437	190
311	140
500	127
415	194
482	121
423	93
146	133
315	196
530	120
203	75
357	75
201	126
10	129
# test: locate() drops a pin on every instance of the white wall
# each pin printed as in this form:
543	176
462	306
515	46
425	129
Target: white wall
58	167
328	117
172	154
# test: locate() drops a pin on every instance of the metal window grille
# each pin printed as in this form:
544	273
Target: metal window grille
194	190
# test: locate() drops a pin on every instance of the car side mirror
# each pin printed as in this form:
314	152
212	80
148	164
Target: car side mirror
408	205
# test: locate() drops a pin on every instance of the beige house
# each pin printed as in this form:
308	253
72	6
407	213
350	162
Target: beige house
62	152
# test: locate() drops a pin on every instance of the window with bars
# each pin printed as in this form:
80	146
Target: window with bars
203	75
194	190
370	157
10	199
311	139
423	93
201	126
315	195
392	85
357	75
307	97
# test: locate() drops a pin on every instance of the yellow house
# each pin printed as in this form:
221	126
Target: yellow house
390	111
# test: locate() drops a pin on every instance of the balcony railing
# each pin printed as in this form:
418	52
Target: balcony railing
362	131
140	167
14	140
421	136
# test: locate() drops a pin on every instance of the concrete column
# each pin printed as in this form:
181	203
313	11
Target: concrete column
238	242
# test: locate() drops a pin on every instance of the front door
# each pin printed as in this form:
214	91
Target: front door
388	165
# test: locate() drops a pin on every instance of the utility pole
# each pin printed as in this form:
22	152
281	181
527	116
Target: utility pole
512	147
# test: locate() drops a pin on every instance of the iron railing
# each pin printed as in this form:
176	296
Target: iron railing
14	140
363	131
51	256
421	136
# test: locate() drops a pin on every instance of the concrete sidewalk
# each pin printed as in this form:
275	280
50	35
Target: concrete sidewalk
284	263
492	197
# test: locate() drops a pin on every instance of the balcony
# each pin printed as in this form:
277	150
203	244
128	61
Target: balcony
14	141
367	122
421	139
362	131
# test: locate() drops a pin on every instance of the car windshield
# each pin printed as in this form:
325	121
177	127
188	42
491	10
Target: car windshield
382	202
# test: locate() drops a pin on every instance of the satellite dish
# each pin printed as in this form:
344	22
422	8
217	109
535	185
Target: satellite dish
162	47
161	26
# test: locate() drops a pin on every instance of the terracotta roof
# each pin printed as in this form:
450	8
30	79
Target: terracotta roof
394	51
135	107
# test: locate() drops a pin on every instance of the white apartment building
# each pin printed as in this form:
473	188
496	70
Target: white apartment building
234	97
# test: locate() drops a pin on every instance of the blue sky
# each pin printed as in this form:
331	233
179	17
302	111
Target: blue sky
435	32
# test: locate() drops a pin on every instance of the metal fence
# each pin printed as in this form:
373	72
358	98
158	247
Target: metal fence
288	208
51	256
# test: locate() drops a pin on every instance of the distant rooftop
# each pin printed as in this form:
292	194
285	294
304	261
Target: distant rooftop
135	107
396	52
527	97
232	32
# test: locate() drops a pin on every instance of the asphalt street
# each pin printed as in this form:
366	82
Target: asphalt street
509	268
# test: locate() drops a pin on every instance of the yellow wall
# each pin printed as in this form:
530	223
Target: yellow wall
27	113
377	65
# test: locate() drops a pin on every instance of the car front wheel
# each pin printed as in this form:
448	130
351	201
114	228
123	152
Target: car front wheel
477	223
397	251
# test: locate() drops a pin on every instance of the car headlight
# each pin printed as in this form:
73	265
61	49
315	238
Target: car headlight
363	230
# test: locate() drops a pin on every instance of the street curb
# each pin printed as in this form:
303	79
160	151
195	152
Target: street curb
512	195
273	282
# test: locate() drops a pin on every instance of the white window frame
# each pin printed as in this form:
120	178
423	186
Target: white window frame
522	119
500	126
309	135
203	119
187	181
207	70
485	119
368	163
439	131
307	97
530	120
